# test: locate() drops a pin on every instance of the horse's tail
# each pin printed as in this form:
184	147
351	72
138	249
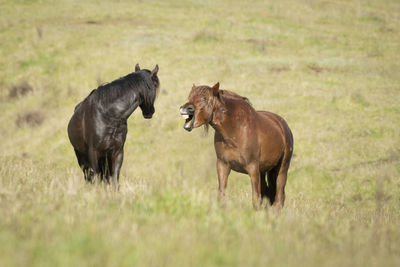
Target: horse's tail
288	152
77	106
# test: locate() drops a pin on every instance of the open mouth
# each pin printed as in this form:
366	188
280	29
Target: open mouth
189	120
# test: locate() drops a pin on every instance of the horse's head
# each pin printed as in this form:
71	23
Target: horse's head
199	108
150	94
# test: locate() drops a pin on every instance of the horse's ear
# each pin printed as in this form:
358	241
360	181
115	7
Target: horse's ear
137	68
215	89
154	72
194	86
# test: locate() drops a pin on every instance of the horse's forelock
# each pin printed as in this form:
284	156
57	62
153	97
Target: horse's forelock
155	80
199	90
147	89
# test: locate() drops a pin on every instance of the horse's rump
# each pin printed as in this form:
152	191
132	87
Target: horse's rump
282	124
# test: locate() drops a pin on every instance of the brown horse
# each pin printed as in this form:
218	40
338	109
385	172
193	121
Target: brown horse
257	143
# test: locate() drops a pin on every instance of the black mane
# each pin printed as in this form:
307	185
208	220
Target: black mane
140	82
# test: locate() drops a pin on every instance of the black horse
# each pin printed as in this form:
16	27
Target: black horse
97	129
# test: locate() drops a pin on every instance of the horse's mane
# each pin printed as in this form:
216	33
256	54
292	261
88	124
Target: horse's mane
233	95
223	93
141	82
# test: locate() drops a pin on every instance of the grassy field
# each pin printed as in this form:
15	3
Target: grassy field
330	68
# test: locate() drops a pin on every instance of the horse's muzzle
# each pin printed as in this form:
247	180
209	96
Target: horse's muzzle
188	114
148	116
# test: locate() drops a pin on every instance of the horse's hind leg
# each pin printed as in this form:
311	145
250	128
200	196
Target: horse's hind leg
280	189
264	187
281	178
271	189
83	163
283	169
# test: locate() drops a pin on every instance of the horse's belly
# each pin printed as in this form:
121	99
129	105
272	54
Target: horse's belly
237	167
269	157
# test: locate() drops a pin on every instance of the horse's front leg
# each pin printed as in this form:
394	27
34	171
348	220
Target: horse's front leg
254	173
223	170
117	158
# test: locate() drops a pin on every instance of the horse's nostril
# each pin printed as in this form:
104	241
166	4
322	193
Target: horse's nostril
186	110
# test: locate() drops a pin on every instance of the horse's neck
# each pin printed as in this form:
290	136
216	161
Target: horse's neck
122	108
224	122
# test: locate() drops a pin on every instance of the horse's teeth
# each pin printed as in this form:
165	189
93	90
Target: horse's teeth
185	116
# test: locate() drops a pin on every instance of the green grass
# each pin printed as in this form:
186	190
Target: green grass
330	68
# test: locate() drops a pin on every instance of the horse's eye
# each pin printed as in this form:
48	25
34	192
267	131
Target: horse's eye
204	98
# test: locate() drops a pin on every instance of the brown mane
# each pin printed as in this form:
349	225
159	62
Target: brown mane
203	89
233	95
